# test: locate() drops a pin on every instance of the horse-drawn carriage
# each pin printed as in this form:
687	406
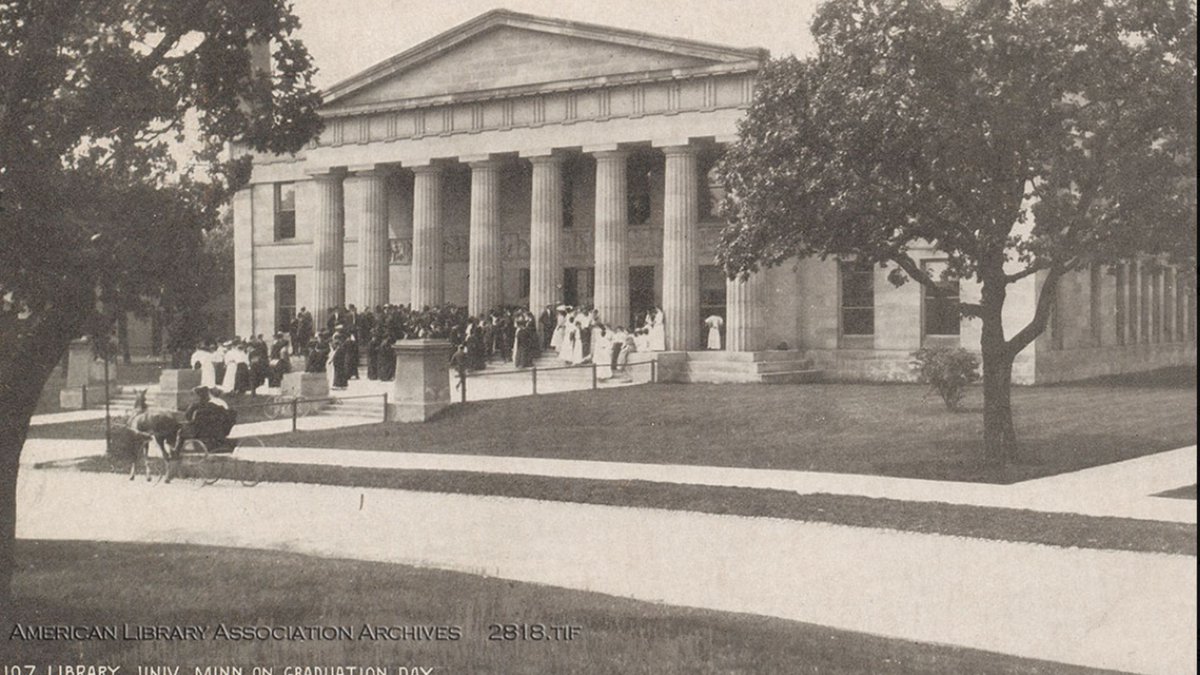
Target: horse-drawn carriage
199	444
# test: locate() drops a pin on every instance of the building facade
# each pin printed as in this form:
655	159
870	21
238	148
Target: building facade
520	160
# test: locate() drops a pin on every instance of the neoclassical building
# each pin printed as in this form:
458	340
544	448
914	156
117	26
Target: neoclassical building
524	160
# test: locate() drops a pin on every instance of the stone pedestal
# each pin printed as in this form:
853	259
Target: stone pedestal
85	377
422	386
175	388
305	385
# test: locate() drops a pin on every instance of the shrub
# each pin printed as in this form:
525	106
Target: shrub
946	371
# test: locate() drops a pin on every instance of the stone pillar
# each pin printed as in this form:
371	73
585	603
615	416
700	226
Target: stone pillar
611	237
545	237
366	214
484	291
422	385
744	313
328	260
175	388
427	287
84	386
681	276
299	384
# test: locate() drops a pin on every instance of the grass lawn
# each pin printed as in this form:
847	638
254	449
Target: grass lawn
893	430
1186	492
1053	529
84	583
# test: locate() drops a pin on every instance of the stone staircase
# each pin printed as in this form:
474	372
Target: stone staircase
367	408
767	367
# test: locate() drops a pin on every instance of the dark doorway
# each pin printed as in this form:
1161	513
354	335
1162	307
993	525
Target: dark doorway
641	292
578	284
285	301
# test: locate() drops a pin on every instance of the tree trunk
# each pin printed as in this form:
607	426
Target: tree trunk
999	434
25	364
18	398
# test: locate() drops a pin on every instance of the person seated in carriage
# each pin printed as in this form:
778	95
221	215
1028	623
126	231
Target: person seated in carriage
208	419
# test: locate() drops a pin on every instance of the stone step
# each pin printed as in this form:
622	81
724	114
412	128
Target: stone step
742	357
804	376
760	367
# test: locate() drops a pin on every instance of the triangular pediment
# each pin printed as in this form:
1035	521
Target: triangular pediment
505	50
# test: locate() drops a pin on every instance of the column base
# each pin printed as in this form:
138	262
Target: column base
415	412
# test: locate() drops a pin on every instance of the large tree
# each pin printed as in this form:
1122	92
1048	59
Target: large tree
96	219
1018	139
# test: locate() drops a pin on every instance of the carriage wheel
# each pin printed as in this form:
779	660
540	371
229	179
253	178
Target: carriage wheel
194	461
279	407
251	471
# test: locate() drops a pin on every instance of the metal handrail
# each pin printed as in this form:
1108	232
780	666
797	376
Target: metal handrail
519	371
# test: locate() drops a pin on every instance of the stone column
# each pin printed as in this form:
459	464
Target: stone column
427	237
366	209
328	259
484	291
681	276
611	237
744	313
545	237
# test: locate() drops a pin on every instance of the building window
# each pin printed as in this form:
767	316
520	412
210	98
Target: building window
639	178
568	193
1181	303
941	315
712	292
1168	305
1095	305
711	191
1120	319
285	211
1144	300
857	298
523	283
1156	306
285	301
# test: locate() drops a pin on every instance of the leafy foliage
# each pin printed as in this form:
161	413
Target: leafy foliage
96	218
1015	139
947	372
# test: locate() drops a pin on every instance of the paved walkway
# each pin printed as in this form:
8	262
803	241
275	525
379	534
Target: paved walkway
1106	609
1123	489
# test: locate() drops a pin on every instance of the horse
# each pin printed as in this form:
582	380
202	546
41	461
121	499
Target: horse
156	424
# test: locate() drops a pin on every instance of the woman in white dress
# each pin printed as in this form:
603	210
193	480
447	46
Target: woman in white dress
577	345
714	324
232	353
203	359
602	351
560	330
658	330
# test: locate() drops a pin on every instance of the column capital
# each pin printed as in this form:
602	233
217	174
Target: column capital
610	154
535	153
545	159
324	175
679	150
483	164
426	169
367	171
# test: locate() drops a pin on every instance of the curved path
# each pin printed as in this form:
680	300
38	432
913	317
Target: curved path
1109	609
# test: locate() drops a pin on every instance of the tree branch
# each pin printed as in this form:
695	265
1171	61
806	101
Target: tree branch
1045	304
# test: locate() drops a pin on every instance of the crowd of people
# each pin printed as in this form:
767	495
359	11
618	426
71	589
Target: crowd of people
508	334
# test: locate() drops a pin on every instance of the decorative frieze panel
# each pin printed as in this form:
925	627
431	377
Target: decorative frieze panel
578	245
